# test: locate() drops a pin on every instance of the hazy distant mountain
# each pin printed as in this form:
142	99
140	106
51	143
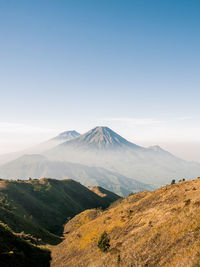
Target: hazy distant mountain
102	157
37	166
40	148
104	148
101	138
65	136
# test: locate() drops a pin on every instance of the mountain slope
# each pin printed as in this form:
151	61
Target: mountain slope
17	252
160	228
101	147
37	166
40	148
65	136
102	192
101	138
41	207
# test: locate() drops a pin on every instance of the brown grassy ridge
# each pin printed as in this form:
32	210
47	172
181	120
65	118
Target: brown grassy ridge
160	228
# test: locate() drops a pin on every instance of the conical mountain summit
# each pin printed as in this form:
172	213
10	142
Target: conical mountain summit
101	137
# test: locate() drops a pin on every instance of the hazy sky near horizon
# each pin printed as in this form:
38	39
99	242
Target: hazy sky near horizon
132	65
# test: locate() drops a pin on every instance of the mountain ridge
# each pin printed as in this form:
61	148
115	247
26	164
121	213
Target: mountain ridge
102	147
66	136
38	166
41	207
160	228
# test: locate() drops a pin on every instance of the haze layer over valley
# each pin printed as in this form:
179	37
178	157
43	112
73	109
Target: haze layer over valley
40	148
100	157
103	147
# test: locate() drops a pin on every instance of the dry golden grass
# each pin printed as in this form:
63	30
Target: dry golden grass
96	190
160	228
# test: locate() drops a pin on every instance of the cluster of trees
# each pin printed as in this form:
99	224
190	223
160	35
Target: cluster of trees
174	181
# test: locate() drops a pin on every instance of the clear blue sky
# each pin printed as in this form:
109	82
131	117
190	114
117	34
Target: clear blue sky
74	64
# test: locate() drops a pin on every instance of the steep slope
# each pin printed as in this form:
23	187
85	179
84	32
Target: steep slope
41	207
37	166
18	253
40	148
101	147
160	228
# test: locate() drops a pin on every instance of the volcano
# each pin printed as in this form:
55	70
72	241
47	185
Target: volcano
102	147
101	138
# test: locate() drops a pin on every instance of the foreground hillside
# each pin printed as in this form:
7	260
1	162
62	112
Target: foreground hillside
16	252
160	228
41	207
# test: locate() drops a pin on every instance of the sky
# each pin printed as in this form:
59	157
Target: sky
131	65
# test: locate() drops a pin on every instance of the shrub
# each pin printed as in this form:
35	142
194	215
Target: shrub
173	181
150	224
104	242
187	202
130	212
118	259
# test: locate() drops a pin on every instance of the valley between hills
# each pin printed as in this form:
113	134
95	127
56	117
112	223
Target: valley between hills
33	214
109	202
100	133
159	228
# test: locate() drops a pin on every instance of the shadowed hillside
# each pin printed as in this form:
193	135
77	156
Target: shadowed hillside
160	228
15	252
41	207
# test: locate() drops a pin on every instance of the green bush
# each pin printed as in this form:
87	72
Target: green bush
187	202
104	242
118	259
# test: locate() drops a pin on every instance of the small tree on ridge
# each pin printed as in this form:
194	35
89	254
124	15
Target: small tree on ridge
104	242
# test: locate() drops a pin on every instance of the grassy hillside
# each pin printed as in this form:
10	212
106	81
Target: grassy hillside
160	228
41	207
15	252
102	192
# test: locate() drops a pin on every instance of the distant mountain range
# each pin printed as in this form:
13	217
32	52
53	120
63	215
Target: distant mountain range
104	148
40	148
99	157
65	136
38	166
